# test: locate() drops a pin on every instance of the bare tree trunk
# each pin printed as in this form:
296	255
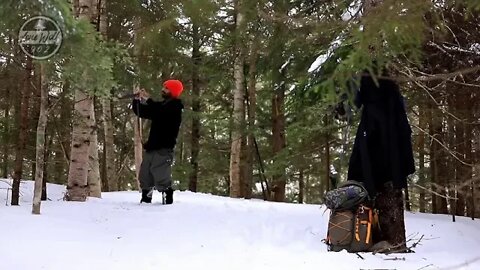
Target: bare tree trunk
278	131
441	168
109	155
327	158
195	138
407	199
22	132
251	109
46	161
472	158
137	122
278	99
238	108
433	156
451	172
6	122
40	145
62	132
301	187
93	179
109	150
421	160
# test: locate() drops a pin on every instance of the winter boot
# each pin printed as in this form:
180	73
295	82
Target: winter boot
147	195
168	195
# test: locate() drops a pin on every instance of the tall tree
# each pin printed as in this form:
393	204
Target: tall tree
250	149
109	150
238	103
22	131
93	178
83	125
279	84
40	143
195	137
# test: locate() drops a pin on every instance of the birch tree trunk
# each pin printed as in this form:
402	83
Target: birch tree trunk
238	108
22	132
40	145
83	125
79	153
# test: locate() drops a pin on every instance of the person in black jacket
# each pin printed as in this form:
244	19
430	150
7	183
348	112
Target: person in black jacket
166	117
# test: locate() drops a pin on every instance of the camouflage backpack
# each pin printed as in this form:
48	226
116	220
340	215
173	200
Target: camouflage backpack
347	196
351	221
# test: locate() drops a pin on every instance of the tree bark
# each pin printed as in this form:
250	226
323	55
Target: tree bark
40	144
93	179
6	122
195	138
407	199
301	187
433	156
251	110
46	160
83	125
327	158
421	161
61	129
137	122
22	132
278	99
79	153
109	150
389	203
238	107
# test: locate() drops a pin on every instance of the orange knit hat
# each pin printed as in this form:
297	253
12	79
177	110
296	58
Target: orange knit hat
174	86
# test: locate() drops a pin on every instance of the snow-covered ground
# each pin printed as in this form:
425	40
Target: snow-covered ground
201	231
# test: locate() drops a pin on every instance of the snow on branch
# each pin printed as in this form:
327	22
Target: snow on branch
321	59
354	10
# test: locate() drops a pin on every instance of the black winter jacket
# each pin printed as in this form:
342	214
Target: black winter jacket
166	118
382	151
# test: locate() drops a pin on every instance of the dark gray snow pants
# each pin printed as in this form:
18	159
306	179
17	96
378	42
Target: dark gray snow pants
156	169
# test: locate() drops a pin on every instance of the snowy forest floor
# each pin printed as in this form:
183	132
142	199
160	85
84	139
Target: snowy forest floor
201	231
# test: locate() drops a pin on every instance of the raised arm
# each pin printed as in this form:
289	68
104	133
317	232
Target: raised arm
143	110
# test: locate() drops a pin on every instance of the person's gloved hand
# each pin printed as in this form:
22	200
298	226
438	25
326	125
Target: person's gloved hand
142	94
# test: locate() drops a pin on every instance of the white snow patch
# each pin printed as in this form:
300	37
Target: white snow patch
352	10
475	48
321	59
286	64
201	231
439	3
